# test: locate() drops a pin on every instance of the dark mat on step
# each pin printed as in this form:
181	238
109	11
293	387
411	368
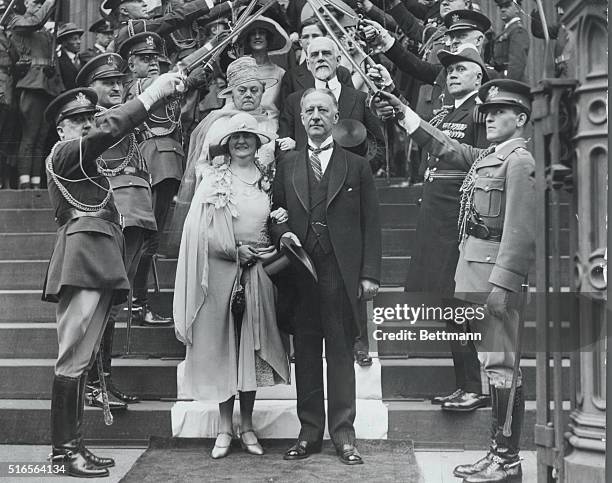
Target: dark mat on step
180	459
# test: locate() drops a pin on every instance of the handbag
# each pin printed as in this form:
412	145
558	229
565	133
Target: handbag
238	301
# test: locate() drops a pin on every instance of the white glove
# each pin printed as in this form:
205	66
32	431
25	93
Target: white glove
377	36
380	76
164	86
292	236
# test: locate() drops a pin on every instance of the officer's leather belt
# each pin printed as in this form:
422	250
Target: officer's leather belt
482	231
433	173
104	214
132	171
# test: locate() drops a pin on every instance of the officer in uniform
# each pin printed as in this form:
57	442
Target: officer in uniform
129	178
104	36
86	273
434	259
460	27
497	229
69	60
511	45
160	140
38	82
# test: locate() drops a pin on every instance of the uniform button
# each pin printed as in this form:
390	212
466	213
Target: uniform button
488	175
488	259
131	182
486	188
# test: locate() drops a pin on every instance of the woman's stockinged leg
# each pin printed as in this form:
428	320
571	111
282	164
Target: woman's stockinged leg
247	403
226	411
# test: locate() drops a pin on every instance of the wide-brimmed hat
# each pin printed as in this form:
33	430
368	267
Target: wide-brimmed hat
505	92
68	29
243	70
465	53
244	122
278	41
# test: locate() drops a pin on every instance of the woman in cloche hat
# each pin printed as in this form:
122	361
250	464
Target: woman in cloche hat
233	342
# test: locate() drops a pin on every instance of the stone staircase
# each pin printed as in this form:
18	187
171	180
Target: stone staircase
404	376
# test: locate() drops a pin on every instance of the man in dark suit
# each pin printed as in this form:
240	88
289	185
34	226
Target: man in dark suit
331	199
298	77
69	60
323	61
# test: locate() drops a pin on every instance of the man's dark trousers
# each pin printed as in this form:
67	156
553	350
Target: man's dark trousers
330	317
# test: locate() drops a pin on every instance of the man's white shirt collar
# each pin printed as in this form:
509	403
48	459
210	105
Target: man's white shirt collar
324	156
459	102
333	83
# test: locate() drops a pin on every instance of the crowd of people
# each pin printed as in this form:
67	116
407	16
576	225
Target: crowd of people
256	166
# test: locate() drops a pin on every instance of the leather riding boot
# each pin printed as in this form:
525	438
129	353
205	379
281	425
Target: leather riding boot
89	456
463	471
505	463
106	346
65	436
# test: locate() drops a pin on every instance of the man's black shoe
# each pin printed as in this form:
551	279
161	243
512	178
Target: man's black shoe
349	455
449	397
463	471
115	391
301	450
146	317
94	399
468	401
498	471
363	359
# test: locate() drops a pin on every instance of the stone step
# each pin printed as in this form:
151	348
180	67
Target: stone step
12	199
26	421
27	306
39	340
30	274
19	220
37	246
157	378
151	379
431	428
426	377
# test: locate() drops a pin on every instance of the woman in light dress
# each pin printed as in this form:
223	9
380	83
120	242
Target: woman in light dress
225	234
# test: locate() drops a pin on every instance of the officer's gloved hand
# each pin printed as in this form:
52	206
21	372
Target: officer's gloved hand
498	302
163	86
375	35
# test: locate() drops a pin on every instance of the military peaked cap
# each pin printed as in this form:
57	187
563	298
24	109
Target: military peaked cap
142	43
466	20
102	26
70	103
505	92
103	66
465	53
